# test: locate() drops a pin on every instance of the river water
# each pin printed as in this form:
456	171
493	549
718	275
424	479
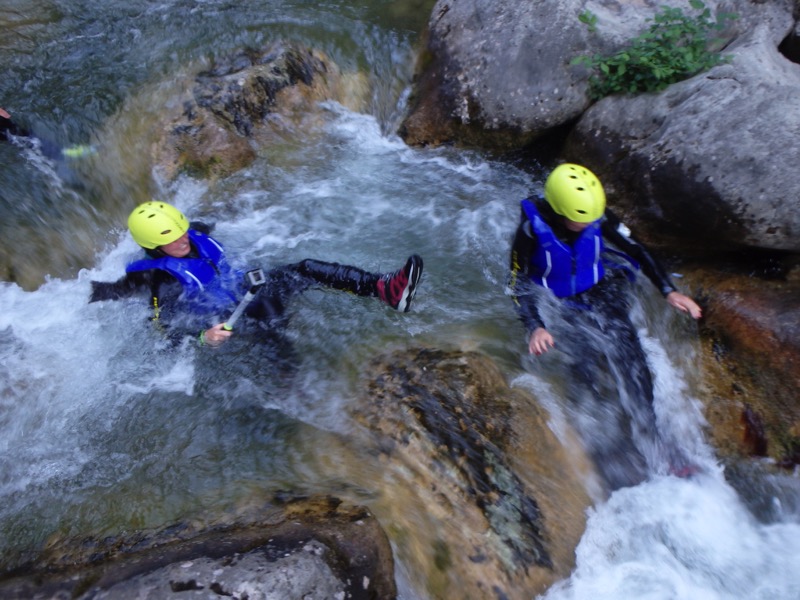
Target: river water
103	430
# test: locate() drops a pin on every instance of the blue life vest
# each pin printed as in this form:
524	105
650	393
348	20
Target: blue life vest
566	270
209	283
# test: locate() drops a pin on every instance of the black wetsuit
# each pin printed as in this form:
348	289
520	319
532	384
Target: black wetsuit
269	305
609	363
8	127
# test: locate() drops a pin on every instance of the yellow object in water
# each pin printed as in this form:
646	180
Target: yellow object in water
78	151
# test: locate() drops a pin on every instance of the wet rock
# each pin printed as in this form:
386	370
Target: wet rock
502	498
307	548
697	159
751	371
242	103
243	91
202	147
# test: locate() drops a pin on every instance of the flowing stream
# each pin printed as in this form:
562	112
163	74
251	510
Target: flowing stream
104	430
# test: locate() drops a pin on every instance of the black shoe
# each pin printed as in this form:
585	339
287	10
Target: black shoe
397	289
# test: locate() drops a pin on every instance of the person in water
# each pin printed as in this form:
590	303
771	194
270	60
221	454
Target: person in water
559	246
186	270
10	128
562	259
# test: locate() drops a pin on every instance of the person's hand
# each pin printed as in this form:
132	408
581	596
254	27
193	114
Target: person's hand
684	304
541	341
216	335
4	114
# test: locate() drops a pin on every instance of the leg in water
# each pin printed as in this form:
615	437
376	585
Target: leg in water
611	390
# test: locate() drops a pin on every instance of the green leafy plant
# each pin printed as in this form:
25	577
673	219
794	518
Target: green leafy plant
674	47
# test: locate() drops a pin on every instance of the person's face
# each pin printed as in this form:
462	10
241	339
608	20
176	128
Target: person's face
179	248
573	225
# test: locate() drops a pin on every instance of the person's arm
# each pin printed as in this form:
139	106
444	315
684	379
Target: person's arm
539	339
129	285
9	127
620	236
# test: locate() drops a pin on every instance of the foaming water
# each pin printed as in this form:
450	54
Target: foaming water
676	538
670	537
97	401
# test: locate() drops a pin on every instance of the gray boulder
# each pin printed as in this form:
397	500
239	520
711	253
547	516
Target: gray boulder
493	67
714	157
291	548
498	71
499	74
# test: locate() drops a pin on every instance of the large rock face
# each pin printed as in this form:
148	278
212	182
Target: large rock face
497	66
711	157
501	500
499	73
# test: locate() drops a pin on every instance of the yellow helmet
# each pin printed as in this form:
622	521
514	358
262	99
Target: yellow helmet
155	224
576	193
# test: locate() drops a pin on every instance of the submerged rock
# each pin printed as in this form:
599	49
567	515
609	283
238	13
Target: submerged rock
243	91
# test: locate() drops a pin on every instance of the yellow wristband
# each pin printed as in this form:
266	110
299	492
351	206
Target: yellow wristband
203	338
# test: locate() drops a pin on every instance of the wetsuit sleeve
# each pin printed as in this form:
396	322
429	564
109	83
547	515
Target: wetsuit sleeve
520	284
131	285
616	232
205	228
9	127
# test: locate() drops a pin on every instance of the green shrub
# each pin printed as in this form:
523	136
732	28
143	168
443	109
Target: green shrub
674	47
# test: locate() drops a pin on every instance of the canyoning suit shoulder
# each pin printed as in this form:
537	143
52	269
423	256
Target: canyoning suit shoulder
187	291
208	282
566	269
548	255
